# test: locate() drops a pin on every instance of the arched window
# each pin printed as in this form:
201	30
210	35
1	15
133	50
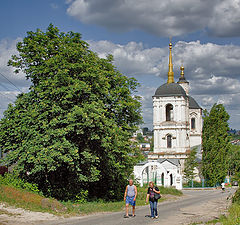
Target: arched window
193	123
169	112
169	141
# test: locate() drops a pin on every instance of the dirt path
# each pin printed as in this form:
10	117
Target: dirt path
18	216
209	206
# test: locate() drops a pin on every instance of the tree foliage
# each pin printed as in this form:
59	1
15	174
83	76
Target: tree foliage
140	138
190	164
216	145
234	161
71	131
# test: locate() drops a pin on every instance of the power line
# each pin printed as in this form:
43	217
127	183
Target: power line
10	82
4	87
6	97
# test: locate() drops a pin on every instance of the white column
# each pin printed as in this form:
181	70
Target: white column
158	113
154	113
176	113
155	140
161	113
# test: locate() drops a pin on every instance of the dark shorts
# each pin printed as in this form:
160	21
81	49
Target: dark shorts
129	201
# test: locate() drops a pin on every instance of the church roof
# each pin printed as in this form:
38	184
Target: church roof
170	89
193	104
173	161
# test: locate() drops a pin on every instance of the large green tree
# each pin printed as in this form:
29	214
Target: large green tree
234	161
216	144
71	131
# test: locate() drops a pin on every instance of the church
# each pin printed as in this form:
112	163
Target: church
177	128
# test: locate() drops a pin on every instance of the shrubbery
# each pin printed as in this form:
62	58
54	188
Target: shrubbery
12	180
236	197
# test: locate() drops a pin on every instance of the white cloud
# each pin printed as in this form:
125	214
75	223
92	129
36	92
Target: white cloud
8	91
203	62
54	5
213	70
7	49
132	58
163	18
225	21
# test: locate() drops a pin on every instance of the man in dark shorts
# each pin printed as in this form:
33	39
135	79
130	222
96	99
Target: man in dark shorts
130	198
152	200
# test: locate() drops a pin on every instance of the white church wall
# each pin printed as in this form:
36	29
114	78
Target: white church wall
178	128
195	134
158	172
155	169
169	166
195	140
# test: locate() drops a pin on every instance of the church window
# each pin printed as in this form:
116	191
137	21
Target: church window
193	123
169	112
169	141
171	179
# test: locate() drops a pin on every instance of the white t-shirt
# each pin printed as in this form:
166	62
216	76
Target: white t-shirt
223	185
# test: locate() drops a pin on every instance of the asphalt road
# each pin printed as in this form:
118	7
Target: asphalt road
168	211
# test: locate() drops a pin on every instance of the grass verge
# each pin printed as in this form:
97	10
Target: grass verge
35	202
13	196
101	206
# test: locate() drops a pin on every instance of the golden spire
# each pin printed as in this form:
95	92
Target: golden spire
170	66
182	71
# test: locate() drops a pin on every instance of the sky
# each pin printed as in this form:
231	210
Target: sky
205	36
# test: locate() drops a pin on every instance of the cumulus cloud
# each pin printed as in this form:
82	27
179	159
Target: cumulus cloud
7	49
10	83
213	70
163	18
204	59
225	21
132	58
201	61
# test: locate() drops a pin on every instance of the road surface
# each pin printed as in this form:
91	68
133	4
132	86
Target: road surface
194	206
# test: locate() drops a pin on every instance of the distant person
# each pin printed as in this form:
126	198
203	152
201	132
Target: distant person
130	198
223	186
151	197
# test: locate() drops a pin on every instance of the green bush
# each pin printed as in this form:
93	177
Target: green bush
195	184
12	180
236	197
82	197
233	217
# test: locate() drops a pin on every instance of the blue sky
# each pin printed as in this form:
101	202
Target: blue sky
205	36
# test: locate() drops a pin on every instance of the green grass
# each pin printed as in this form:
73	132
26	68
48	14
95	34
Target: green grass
26	199
234	216
101	206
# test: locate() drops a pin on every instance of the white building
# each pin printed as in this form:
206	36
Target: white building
177	123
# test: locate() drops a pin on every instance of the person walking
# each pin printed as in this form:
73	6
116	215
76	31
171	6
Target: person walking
223	186
152	192
130	198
